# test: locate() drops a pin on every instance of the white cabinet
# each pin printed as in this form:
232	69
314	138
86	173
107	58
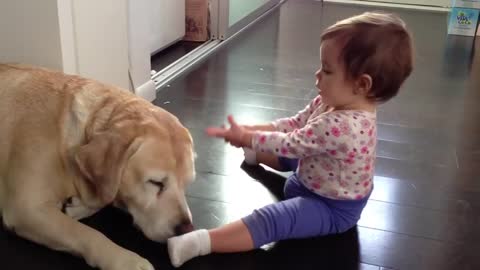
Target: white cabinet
85	37
29	32
106	40
166	23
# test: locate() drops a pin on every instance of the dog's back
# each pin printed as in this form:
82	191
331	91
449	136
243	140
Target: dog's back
28	113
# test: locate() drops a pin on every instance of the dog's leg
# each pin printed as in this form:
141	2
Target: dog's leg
48	226
74	208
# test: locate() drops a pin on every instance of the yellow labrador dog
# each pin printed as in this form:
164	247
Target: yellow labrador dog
70	146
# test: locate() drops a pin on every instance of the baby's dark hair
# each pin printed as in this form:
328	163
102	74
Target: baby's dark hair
376	44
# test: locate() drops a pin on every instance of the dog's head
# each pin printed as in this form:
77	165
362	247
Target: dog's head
143	165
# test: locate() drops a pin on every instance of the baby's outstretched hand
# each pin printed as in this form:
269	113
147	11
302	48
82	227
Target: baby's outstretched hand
236	135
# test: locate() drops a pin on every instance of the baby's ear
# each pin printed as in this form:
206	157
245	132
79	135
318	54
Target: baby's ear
363	85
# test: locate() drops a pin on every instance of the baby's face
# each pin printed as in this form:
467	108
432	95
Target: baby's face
334	87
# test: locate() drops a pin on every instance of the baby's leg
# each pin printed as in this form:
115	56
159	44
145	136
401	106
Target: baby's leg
295	218
254	158
298	217
272	161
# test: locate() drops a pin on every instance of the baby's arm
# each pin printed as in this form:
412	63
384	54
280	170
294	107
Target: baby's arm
289	124
318	137
263	127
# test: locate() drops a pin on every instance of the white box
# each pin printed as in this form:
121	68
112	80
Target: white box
466	3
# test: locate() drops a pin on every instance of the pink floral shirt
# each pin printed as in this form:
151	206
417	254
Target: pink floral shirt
336	149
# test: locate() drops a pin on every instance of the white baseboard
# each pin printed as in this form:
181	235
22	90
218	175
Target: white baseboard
146	91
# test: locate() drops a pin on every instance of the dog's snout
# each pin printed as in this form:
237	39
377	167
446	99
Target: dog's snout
183	228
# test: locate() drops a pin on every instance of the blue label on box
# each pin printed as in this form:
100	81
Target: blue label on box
463	21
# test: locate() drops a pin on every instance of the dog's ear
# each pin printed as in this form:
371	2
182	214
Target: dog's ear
184	154
101	161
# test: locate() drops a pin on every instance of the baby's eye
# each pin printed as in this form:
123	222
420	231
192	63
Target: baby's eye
326	71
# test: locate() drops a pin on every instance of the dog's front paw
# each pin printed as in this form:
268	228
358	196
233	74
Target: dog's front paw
141	264
132	261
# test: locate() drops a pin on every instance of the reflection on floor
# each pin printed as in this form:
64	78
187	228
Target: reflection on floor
165	57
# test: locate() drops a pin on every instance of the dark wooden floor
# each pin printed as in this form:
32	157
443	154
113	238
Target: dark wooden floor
425	209
165	57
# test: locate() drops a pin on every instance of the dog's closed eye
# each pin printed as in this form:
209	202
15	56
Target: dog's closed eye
160	184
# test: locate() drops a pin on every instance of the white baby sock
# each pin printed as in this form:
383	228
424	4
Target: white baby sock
250	156
185	247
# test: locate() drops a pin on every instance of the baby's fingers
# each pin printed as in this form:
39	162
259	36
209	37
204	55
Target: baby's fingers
216	132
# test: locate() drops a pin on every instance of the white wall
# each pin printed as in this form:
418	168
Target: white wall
85	37
140	48
166	22
101	40
67	36
111	43
239	9
29	33
106	40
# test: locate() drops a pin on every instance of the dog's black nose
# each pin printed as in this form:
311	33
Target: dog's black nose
183	228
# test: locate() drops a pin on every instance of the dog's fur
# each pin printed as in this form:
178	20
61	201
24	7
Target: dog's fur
74	144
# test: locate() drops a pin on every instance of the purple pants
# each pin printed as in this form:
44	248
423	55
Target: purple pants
303	214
